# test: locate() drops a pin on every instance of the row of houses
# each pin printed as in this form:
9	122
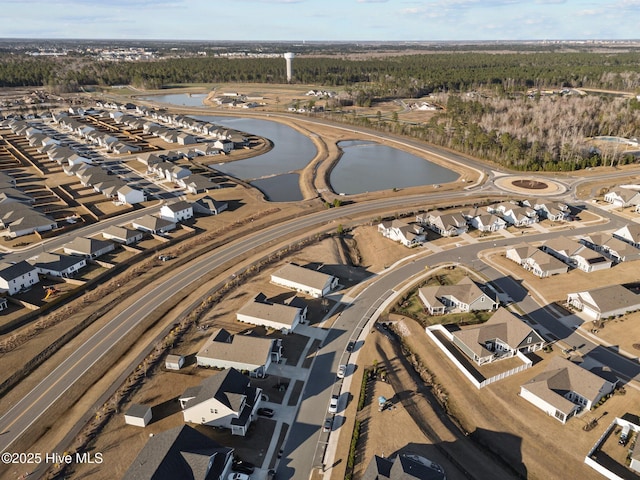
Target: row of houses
104	182
92	135
18	217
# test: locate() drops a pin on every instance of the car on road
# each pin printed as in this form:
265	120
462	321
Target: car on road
242	467
238	476
265	412
333	404
350	346
327	425
342	371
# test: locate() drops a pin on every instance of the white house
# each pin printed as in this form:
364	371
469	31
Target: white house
629	233
310	282
407	234
177	212
605	302
131	196
242	352
564	389
152	224
225	400
258	311
88	247
445	224
58	265
465	296
122	235
15	277
536	261
622	197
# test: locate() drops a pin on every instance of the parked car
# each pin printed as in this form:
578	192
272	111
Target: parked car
238	476
624	436
265	412
333	404
350	346
327	425
342	371
243	467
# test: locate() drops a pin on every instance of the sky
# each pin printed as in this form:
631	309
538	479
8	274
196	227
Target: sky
322	20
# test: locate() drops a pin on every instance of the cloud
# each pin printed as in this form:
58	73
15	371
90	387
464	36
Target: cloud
372	1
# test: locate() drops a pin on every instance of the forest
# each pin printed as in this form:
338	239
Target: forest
503	124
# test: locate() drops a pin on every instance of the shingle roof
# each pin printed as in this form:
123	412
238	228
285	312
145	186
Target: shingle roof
303	276
9	271
221	345
228	387
179	453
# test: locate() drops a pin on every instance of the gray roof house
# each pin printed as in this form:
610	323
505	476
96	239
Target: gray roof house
181	453
564	389
88	247
209	206
152	224
536	261
122	235
404	466
605	302
225	400
499	337
58	265
304	280
258	311
15	277
466	296
242	352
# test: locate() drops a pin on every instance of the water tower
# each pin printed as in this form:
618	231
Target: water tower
289	58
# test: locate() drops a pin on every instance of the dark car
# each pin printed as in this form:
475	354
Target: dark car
327	425
350	346
265	412
243	467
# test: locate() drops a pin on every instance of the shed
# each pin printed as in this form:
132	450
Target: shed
138	415
174	362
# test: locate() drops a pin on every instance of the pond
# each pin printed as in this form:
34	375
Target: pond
179	99
291	151
369	167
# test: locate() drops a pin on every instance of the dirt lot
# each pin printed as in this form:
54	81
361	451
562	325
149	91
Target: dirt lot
623	332
518	431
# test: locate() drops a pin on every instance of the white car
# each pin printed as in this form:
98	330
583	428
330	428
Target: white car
333	404
238	476
342	371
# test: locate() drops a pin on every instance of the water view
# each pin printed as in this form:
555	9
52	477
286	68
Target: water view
180	99
369	167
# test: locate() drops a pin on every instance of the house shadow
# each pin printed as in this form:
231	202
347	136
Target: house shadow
512	287
165	409
233	205
503	448
348	275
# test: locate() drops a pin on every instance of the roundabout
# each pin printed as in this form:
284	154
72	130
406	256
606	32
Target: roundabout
523	185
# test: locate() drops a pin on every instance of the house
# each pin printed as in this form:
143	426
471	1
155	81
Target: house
138	415
155	225
519	216
174	362
487	222
304	280
242	352
177	212
176	173
197	183
58	265
224	145
407	234
576	254
209	206
258	311
614	248
30	222
564	389
181	452
630	234
88	247
622	197
122	235
466	296
536	261
404	466
131	196
499	337
15	277
605	302
554	211
225	400
445	224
